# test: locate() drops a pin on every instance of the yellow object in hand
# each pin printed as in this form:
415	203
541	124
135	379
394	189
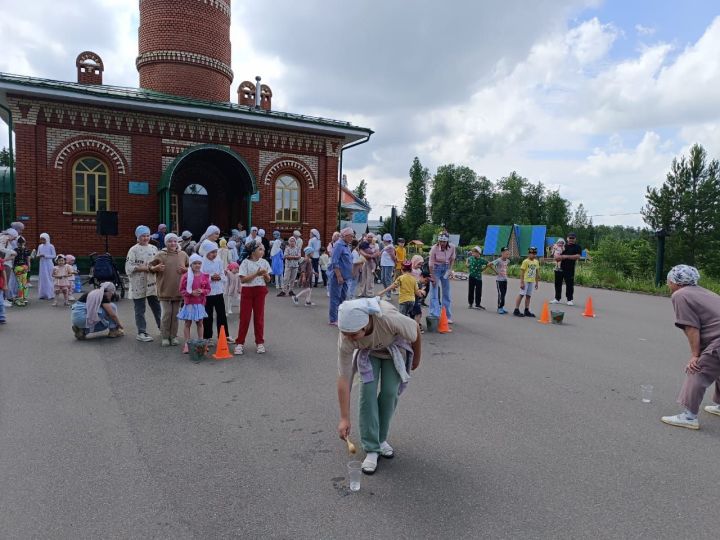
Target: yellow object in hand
351	446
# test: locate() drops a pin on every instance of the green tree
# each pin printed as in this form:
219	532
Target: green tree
4	157
361	190
533	203
415	211
509	199
556	214
453	198
688	206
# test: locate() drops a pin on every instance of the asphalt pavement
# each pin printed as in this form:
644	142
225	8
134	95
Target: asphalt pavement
509	429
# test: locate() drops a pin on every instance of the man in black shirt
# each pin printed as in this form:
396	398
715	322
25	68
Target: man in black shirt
571	253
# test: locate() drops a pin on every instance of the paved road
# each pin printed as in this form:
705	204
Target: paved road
510	429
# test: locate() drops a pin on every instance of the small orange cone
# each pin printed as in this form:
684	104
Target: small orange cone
443	327
589	312
545	314
222	352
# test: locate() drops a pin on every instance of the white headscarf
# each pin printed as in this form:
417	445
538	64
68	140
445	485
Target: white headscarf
354	315
45	236
212	229
684	275
206	246
190	276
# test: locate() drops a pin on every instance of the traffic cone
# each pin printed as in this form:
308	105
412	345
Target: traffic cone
444	327
589	312
222	351
545	314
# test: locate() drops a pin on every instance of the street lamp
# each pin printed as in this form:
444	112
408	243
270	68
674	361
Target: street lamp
660	234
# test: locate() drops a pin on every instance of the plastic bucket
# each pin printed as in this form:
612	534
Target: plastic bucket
197	349
557	317
432	323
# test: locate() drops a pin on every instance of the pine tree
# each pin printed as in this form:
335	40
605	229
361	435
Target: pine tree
4	157
361	190
415	211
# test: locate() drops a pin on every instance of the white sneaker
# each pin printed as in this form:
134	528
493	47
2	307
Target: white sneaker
174	341
570	303
165	343
386	450
144	337
261	349
681	420
239	350
369	466
7	304
295	300
553	301
713	409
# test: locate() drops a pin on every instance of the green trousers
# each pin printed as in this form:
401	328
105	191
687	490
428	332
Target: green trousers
376	410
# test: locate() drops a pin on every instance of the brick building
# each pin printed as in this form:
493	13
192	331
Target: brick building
175	150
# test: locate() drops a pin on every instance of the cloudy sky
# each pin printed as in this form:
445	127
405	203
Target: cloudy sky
592	97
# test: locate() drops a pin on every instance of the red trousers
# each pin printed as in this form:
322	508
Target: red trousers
252	303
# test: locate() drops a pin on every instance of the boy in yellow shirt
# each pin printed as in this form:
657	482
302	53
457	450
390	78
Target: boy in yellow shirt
409	290
400	255
529	270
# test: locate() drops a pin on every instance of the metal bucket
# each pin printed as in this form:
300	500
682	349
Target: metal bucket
197	348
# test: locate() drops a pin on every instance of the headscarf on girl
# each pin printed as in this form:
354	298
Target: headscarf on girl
93	302
354	315
190	275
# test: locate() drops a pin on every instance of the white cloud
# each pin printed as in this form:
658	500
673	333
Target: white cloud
644	30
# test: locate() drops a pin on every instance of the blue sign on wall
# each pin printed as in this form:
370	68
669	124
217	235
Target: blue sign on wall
255	197
139	188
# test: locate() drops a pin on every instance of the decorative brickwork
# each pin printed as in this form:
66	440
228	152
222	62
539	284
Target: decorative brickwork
117	144
272	163
90	68
95	145
184	48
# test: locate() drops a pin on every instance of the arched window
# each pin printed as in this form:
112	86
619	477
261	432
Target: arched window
287	199
91	186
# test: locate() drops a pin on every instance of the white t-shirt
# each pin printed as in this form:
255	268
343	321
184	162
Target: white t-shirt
385	258
248	267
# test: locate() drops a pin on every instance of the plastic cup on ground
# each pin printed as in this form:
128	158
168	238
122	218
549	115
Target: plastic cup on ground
646	392
354	475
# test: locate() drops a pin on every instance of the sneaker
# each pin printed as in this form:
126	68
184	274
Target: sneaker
386	450
369	466
281	293
175	342
309	304
480	308
470	306
529	313
713	409
115	333
554	301
295	300
450	321
332	323
165	343
239	350
6	303
18	303
142	336
517	313
501	311
570	303
291	293
79	332
261	349
681	420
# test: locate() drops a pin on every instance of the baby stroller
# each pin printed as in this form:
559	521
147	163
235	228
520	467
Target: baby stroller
102	269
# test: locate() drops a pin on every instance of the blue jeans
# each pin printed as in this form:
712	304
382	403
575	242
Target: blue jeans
444	283
386	276
79	315
338	294
2	304
352	286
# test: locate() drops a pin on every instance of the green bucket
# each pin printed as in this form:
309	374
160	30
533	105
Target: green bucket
557	317
197	349
432	323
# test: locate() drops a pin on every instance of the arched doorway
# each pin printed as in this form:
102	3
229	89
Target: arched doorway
206	184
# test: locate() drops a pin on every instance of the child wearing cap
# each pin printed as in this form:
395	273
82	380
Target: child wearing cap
476	264
400	256
500	267
529	270
388	260
307	272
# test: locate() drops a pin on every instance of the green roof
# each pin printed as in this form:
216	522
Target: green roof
10	83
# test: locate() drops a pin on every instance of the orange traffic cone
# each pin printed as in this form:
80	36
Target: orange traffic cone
589	312
443	327
545	314
222	352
